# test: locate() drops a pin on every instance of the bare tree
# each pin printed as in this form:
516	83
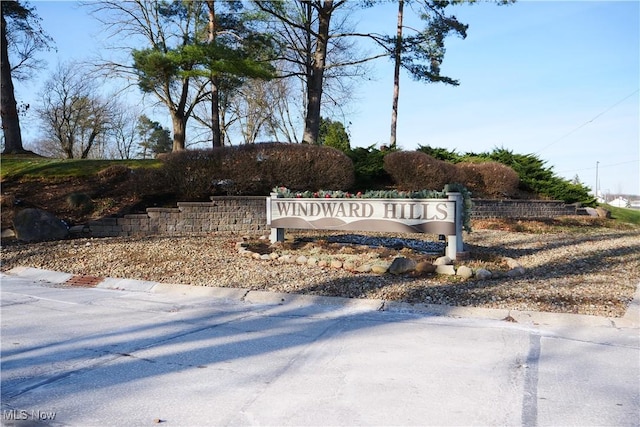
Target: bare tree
317	52
124	132
72	113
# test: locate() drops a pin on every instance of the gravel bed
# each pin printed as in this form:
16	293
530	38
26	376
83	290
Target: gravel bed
588	273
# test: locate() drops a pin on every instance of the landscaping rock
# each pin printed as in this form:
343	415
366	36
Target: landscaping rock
516	272
336	263
36	225
288	259
446	269
603	213
8	233
364	268
402	265
443	260
425	267
349	265
512	263
379	268
301	260
483	274
464	272
592	212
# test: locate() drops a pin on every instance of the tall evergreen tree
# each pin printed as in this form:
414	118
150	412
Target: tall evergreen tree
20	27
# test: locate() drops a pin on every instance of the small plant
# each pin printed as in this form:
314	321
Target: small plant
80	201
114	174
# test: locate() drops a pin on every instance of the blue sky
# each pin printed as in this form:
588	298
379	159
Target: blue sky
558	79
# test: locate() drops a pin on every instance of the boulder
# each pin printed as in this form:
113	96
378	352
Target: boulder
336	263
591	211
449	270
402	265
603	213
36	225
443	260
512	263
483	274
464	272
364	268
349	265
516	272
8	233
425	267
379	268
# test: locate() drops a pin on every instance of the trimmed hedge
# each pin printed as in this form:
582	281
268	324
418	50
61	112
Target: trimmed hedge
255	169
488	179
414	170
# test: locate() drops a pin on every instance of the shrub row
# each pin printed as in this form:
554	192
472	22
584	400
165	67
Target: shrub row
414	170
253	169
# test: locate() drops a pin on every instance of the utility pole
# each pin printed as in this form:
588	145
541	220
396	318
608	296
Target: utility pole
597	193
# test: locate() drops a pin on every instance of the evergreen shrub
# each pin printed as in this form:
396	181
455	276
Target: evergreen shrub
368	164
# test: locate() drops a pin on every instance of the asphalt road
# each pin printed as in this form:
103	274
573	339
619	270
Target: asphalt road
145	354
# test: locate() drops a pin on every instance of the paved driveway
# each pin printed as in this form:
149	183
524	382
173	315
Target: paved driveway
195	357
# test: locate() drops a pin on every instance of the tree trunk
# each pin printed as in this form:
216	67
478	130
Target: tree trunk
396	76
315	80
8	105
215	93
179	131
216	134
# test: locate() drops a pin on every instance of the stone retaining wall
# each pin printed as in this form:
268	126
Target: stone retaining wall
247	215
487	208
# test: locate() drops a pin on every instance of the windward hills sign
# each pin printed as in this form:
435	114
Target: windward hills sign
434	216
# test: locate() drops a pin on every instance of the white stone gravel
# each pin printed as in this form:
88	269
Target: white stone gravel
587	273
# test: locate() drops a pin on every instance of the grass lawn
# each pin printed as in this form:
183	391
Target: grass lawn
16	166
631	216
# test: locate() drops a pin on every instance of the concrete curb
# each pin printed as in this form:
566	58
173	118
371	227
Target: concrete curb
631	319
39	275
264	297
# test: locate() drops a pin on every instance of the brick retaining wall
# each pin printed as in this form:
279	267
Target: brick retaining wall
247	215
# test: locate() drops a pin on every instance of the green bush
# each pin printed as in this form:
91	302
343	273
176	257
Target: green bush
254	169
368	164
440	153
414	170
